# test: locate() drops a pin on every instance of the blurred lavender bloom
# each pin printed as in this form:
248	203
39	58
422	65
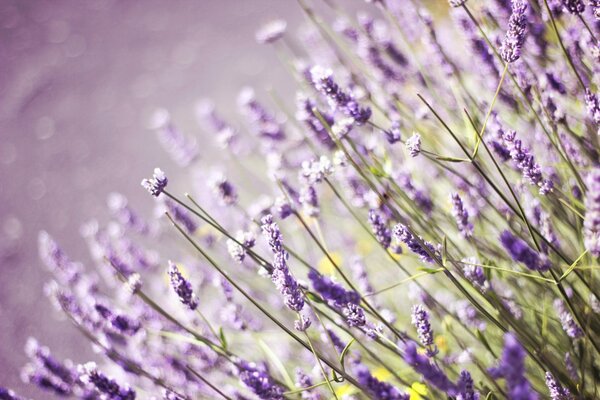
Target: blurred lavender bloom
323	80
420	197
282	277
521	252
379	227
431	372
393	134
332	291
304	381
271	31
309	200
156	184
377	389
315	171
456	3
181	149
556	391
41	357
117	203
355	315
259	381
461	215
45	381
6	394
181	215
238	252
515	35
574	6
526	163
595	4
227	136
403	234
105	385
262	121
306	113
593	105
56	260
223	189
169	395
466	389
512	368
182	287
420	319
413	145
566	319
120	322
475	274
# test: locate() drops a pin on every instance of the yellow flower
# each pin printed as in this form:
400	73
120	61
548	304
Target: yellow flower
417	390
326	267
364	246
441	343
382	374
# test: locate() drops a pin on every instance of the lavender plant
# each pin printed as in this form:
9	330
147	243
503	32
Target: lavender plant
382	288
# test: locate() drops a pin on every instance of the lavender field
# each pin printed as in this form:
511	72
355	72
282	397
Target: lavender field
300	199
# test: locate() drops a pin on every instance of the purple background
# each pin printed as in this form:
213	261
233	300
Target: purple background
78	81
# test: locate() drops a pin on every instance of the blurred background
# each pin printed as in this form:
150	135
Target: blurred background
79	80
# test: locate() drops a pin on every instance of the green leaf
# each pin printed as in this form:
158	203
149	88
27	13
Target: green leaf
314	298
343	355
572	267
484	341
452	159
444	251
222	338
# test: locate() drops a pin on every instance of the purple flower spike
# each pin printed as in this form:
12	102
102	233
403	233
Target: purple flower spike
403	234
182	287
526	163
465	387
103	384
323	80
556	391
575	7
517	29
512	368
431	372
420	319
461	215
259	381
593	104
156	185
413	145
282	276
380	230
591	224
521	252
567	321
377	389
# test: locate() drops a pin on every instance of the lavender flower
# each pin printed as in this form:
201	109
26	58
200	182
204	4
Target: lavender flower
420	319
379	227
526	163
556	391
567	321
182	287
515	36
377	389
456	3
224	190
595	4
521	252
574	6
306	113
90	374
431	372
475	274
304	381
271	31
281	276
156	185
593	105
591	224
512	368
402	233
181	215
120	322
465	387
332	291
6	394
259	381
393	134
413	145
324	83
355	315
461	215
